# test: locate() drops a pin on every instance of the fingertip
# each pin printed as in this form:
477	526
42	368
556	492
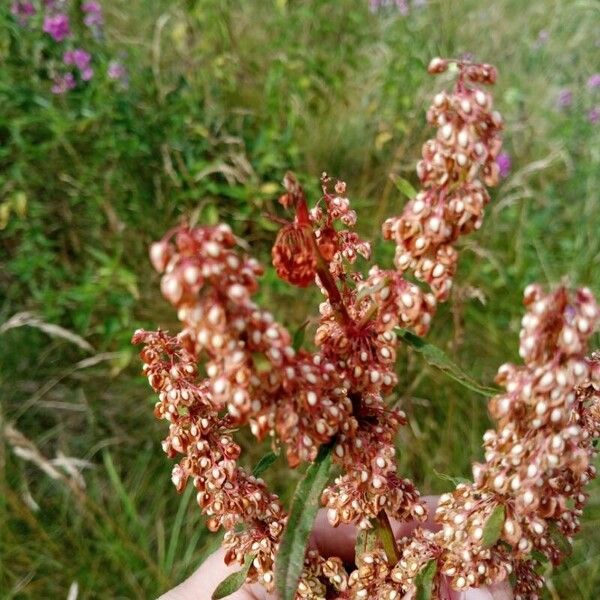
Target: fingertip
203	582
341	540
333	541
406	528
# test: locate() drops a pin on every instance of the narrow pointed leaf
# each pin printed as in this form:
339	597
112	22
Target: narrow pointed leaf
366	541
424	581
539	557
264	463
493	526
234	582
383	530
405	187
437	358
559	538
305	504
453	480
299	336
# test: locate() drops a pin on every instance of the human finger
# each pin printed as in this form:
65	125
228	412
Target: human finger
341	540
204	581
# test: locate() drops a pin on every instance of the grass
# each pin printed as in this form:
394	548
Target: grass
224	97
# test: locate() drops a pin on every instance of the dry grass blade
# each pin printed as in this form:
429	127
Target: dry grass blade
86	363
25	449
73	591
29	319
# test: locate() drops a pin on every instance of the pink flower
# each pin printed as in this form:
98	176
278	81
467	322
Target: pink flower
564	98
117	72
594	115
78	58
81	59
504	163
57	27
22	10
63	83
593	83
93	14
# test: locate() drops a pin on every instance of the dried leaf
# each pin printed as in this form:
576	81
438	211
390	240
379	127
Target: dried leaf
24	319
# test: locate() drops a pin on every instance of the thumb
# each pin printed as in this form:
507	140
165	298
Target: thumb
205	580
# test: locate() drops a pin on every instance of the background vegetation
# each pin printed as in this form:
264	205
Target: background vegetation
224	96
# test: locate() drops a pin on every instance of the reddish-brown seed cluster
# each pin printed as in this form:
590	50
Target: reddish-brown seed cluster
227	495
417	551
466	560
337	246
370	483
538	459
399	302
253	371
453	167
294	255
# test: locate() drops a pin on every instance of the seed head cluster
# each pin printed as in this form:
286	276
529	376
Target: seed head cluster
456	166
538	458
233	365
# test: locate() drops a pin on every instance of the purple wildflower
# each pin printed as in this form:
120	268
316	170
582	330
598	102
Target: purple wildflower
593	82
57	26
22	10
504	163
402	6
594	115
81	59
78	58
564	98
63	83
93	14
117	72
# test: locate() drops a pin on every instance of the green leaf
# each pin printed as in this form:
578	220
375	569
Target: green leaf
424	580
493	526
234	582
305	504
438	359
453	480
299	336
559	539
366	541
405	187
385	535
539	557
264	463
